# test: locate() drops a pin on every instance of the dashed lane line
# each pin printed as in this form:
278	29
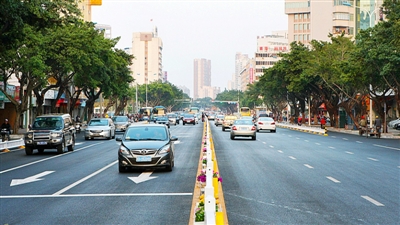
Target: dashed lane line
373	159
350	153
345	139
373	201
280	151
333	179
382	146
308	166
360	142
292	157
332	147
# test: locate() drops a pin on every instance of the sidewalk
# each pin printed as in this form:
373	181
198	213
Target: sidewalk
316	129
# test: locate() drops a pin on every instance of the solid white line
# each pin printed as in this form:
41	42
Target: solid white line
85	178
332	147
351	153
398	149
373	201
308	166
333	179
292	157
42	160
373	159
95	195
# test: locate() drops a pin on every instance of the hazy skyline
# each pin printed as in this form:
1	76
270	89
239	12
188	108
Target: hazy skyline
213	30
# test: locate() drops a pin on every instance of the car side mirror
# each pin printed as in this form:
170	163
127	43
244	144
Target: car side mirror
119	139
174	138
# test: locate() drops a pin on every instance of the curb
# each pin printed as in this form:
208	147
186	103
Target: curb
322	132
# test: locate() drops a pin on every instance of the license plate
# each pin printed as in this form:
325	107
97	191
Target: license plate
243	128
96	135
42	143
143	159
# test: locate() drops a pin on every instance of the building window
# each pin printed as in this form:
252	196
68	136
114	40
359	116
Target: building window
296	27
295	37
296	16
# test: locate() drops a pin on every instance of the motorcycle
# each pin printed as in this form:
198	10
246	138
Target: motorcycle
78	127
5	135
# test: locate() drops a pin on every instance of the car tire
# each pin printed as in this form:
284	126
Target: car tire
61	147
253	137
72	146
183	124
28	150
113	137
258	130
223	128
232	137
121	169
273	131
109	136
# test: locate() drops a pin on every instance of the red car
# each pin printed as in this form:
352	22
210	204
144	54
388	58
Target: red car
189	118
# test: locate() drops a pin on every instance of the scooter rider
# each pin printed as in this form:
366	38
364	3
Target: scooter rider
7	127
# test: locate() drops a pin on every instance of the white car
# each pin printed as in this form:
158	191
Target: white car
218	120
266	123
100	128
393	122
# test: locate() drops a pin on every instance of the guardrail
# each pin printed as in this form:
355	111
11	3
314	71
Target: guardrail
11	144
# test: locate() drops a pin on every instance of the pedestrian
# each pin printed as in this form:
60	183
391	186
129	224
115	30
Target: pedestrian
323	122
378	123
7	128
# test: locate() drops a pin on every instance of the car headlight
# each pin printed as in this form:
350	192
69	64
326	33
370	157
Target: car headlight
54	135
123	150
29	135
165	149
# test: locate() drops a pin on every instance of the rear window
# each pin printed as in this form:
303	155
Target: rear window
98	122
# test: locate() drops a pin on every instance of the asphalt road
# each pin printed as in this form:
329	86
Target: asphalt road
85	187
291	177
288	177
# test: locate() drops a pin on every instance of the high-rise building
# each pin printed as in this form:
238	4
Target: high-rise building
202	77
147	52
268	48
315	19
241	60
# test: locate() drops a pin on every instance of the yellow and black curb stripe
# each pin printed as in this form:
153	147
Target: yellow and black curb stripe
322	132
197	190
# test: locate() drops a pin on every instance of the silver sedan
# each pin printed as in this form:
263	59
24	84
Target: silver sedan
243	128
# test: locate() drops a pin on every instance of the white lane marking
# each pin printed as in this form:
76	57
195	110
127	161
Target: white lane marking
280	151
333	179
308	166
177	142
332	147
373	201
85	178
292	157
297	138
345	139
359	142
271	146
317	143
290	135
264	142
28	164
382	146
95	195
351	153
79	143
306	140
333	136
373	159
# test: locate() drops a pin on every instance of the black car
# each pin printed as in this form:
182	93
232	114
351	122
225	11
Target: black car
146	146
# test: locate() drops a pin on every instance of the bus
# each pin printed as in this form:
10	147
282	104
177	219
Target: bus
145	111
159	111
194	110
245	111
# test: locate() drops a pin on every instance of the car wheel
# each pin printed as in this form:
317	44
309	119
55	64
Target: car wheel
223	128
113	137
169	167
253	137
86	138
274	131
72	146
183	124
122	169
232	137
258	130
28	150
61	147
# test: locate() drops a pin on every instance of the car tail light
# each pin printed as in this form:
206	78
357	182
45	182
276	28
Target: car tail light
273	123
234	128
253	128
260	123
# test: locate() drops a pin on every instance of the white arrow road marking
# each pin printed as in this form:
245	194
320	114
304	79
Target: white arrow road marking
34	178
145	176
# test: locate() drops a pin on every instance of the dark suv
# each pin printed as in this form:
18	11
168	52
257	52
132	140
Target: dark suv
51	131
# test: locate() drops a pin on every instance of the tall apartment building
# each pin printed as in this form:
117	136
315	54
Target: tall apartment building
268	48
201	78
247	74
315	19
241	60
147	50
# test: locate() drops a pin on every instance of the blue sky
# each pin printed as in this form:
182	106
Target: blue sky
214	30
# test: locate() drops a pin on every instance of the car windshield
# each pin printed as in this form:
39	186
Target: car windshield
146	133
243	122
98	122
48	122
120	119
